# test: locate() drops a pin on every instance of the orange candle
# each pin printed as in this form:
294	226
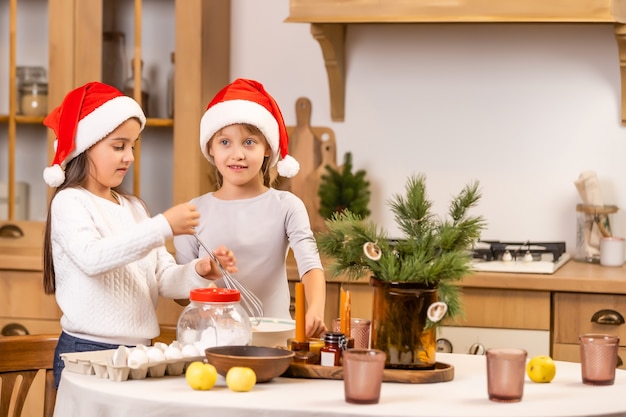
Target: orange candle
342	311
348	314
300	313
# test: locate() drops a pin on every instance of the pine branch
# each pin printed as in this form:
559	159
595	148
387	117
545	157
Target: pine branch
343	190
433	251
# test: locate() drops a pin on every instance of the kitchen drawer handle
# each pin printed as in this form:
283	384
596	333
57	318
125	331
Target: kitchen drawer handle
611	317
11	231
14	329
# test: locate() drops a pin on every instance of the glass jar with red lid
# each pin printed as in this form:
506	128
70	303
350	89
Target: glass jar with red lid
214	317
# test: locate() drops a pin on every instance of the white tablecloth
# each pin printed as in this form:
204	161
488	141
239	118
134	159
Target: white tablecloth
466	395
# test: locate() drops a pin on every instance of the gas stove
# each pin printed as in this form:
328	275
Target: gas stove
519	257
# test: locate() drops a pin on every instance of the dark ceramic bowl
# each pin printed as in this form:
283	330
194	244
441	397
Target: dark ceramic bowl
266	362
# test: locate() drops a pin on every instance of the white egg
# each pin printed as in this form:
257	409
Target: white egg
176	344
173	353
190	351
161	345
155	355
120	356
137	358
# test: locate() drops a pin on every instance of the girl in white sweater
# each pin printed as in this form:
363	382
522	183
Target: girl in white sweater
104	255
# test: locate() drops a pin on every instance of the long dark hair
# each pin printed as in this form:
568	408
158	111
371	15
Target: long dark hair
76	173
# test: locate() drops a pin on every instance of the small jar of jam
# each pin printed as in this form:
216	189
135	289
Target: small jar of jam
334	344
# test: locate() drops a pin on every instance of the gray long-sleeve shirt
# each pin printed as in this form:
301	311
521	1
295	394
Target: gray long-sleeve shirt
259	231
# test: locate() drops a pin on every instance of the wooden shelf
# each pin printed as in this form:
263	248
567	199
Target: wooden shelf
38	120
156	122
329	20
32	120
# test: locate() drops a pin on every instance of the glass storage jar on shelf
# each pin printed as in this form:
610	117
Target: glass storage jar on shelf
214	317
129	88
32	82
34	99
170	88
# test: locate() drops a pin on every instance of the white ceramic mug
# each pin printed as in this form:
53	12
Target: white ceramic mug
612	251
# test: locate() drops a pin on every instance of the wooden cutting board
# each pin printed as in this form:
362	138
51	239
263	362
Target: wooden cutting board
314	148
329	158
443	372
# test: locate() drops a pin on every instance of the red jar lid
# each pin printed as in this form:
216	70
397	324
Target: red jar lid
214	295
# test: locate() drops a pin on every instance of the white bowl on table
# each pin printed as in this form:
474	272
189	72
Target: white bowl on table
272	332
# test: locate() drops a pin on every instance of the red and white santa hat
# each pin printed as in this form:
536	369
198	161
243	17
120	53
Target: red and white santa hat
246	101
86	116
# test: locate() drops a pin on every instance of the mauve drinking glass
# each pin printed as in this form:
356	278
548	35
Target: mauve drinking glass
363	375
359	331
506	370
598	358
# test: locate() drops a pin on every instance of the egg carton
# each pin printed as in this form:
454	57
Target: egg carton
101	364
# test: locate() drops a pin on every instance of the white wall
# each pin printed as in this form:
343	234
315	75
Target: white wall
523	108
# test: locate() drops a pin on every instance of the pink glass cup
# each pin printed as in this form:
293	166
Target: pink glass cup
359	331
598	358
363	375
506	370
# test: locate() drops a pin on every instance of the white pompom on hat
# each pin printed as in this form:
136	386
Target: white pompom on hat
86	116
246	101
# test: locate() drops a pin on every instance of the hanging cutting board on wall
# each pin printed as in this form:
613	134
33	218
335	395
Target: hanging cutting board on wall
329	158
314	148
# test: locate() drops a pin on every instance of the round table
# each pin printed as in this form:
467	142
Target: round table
466	395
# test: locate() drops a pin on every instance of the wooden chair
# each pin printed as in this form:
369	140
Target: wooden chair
21	358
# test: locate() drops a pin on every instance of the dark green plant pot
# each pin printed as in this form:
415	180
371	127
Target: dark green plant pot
398	324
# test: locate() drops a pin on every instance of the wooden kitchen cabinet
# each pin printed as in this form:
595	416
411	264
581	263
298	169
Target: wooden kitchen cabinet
505	309
74	48
578	313
23	301
549	309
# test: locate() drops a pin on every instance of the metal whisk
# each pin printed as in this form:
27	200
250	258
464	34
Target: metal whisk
249	301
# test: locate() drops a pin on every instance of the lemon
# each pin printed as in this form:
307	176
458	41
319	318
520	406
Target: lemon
541	369
201	376
240	378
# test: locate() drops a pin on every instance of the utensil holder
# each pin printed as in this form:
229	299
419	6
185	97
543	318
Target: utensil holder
593	222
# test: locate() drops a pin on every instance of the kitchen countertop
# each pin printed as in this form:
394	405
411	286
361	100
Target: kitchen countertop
574	276
26	254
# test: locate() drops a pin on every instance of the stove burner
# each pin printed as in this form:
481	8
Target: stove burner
529	257
494	250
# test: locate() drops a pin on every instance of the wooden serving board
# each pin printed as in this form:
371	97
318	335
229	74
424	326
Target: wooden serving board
443	372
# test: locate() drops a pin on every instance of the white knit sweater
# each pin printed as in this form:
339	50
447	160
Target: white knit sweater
111	265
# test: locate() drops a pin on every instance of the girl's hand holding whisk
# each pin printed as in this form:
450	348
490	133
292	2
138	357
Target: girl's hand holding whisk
207	268
183	218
